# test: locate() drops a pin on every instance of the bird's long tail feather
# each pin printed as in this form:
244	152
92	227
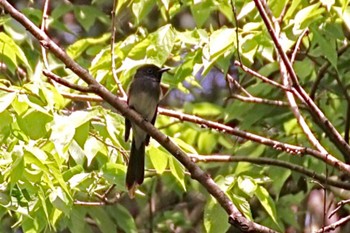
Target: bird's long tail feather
136	167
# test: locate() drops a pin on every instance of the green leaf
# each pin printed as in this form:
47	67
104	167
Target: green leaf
123	218
268	204
185	145
203	109
178	171
17	167
201	11
87	15
277	6
6	119
207	142
305	16
221	41
63	129
61	10
247	185
246	9
6	98
142	8
279	177
115	173
33	123
77	179
243	205
92	147
80	46
77	223
102	219
113	125
19	105
12	51
327	46
59	200
77	153
155	48
215	217
344	14
159	159
225	8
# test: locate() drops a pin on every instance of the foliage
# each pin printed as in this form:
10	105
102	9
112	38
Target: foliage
60	153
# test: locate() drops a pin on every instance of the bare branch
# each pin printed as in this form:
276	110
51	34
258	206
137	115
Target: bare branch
292	149
335	225
273	162
297	45
64	82
114	69
263	78
257	100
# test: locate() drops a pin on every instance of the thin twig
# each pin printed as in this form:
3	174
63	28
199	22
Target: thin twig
64	82
339	205
273	162
114	69
295	109
257	100
263	78
44	29
335	225
237	85
90	203
297	45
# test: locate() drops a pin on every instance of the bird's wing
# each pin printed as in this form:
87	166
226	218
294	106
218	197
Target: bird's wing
127	129
152	122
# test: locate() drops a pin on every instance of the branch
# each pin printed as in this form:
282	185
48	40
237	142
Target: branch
293	104
114	69
316	113
44	29
64	82
235	217
263	78
291	149
339	205
297	45
258	100
273	162
335	225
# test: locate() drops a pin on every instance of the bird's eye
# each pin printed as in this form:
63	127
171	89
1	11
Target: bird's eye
149	71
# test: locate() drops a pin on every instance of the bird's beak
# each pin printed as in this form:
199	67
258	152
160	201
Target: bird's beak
162	70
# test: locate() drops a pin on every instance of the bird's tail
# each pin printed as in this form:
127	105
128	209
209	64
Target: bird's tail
135	173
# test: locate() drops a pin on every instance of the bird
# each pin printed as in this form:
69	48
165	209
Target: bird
143	97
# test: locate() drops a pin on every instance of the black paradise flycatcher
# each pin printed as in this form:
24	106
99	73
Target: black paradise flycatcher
143	96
